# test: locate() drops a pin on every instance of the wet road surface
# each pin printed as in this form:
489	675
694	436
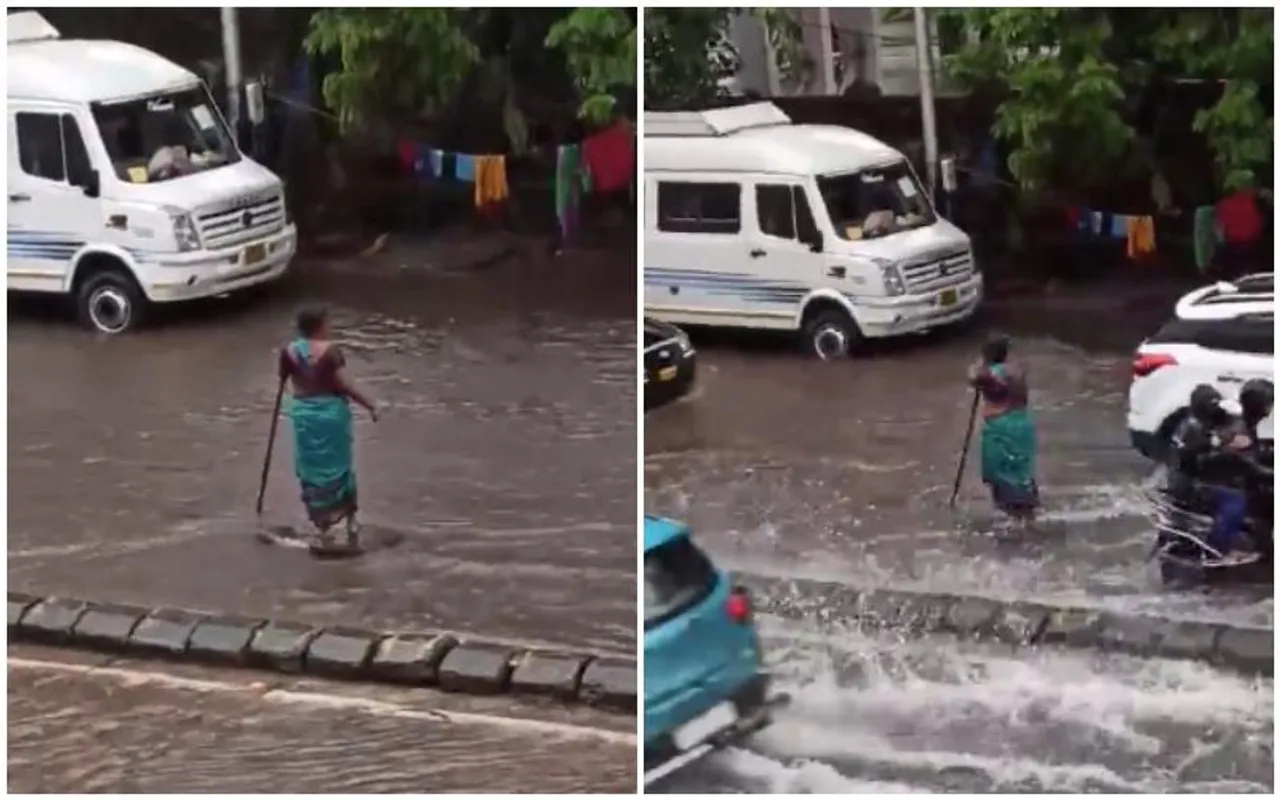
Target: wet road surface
794	469
129	727
505	455
873	713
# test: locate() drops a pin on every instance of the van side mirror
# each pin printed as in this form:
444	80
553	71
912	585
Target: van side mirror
255	102
89	182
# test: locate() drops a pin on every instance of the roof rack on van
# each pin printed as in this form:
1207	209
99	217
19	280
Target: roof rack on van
714	122
29	26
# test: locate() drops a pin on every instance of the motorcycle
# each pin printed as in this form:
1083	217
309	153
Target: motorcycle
1183	521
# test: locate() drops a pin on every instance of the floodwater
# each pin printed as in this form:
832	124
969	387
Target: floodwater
505	455
76	726
505	460
842	472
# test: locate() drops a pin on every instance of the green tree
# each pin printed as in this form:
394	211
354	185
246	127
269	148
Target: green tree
687	52
411	62
1072	77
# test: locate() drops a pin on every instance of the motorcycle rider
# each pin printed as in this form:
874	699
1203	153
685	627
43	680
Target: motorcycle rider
1257	398
1209	450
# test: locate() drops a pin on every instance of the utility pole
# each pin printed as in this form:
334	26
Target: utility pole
231	58
924	59
826	50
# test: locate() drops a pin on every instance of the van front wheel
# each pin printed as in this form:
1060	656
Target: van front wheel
831	335
109	302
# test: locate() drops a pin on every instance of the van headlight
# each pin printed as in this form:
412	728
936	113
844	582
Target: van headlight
184	232
891	277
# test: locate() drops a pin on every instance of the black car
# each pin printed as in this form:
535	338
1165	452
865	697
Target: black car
669	363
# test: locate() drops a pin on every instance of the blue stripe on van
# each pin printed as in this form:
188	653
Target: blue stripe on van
735	284
53	246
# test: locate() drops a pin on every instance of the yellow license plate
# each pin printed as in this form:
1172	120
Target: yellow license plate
254	254
667	373
948	298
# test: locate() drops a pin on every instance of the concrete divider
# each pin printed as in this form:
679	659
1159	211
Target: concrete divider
470	666
1245	648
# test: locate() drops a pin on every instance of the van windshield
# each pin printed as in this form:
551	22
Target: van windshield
877	202
165	136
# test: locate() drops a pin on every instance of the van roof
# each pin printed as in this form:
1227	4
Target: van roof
88	70
659	530
757	137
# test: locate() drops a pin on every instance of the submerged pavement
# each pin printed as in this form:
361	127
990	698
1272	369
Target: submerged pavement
505	455
805	474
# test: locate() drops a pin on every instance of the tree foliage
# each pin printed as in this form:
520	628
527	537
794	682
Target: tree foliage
1072	79
411	62
688	52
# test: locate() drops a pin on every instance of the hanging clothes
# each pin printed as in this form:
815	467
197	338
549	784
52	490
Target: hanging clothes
1095	222
464	168
1119	226
491	180
568	192
406	152
1140	239
611	157
1073	218
1205	236
1238	218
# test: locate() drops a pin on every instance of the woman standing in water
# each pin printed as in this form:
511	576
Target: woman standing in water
1008	432
320	410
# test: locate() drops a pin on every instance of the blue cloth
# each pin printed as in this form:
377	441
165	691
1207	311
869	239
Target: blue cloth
1231	507
464	168
323	453
1119	226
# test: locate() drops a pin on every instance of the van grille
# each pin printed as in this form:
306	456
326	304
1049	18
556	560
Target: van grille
225	225
933	273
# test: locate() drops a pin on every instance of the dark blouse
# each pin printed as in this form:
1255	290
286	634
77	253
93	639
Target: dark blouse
1003	385
314	377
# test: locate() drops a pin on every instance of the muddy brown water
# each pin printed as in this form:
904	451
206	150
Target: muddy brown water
505	455
841	472
132	728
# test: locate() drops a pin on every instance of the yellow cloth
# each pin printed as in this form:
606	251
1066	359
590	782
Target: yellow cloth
491	180
1141	237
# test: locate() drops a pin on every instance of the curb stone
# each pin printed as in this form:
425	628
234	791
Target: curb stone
471	666
1249	649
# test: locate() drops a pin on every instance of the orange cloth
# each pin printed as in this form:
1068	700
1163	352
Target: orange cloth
1141	237
491	180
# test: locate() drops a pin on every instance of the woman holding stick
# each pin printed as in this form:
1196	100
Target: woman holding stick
320	410
1008	440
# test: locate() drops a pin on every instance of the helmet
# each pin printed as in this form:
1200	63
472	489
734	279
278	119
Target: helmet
1206	404
1256	400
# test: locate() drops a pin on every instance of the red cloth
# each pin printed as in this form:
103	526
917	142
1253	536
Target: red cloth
610	156
408	153
1238	218
1073	218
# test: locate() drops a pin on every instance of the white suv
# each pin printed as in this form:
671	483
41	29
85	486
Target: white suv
1222	335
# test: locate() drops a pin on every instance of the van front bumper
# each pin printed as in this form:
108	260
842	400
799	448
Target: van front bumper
881	317
174	277
755	712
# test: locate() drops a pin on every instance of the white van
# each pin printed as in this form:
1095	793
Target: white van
125	184
753	222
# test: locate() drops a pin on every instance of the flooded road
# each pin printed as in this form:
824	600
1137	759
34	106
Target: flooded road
805	471
875	714
505	455
78	727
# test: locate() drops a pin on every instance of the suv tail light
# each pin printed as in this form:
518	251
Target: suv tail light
738	606
1146	363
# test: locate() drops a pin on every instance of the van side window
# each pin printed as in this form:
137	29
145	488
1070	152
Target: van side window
774	211
78	166
40	146
699	207
806	227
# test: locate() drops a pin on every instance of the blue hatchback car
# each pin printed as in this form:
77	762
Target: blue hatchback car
704	686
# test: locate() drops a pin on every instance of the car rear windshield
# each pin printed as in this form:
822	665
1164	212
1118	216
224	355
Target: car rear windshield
1245	334
677	576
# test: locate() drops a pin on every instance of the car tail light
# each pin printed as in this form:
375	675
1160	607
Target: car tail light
738	606
1146	363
